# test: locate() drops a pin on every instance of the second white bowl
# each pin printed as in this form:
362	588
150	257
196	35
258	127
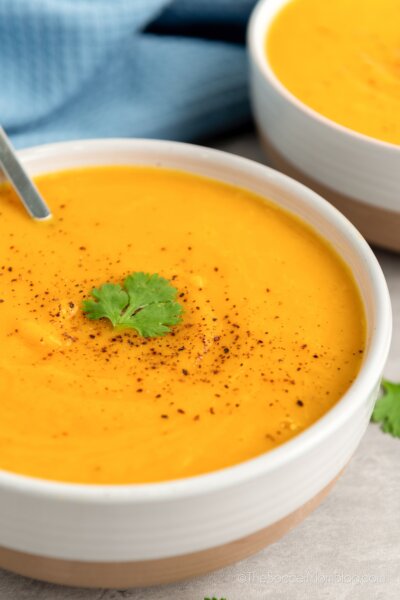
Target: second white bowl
358	174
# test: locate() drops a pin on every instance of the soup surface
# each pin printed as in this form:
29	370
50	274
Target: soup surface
272	334
342	58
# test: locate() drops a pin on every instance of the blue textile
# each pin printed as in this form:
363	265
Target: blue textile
119	68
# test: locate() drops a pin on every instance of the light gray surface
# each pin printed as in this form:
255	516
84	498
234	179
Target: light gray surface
348	549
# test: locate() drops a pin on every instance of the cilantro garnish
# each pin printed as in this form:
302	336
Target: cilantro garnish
146	303
387	409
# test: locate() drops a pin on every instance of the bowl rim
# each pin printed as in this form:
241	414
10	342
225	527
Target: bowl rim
367	378
260	21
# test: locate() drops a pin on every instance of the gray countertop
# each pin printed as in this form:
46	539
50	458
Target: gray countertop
348	549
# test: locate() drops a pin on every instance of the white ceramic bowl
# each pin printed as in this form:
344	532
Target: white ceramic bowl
357	173
140	534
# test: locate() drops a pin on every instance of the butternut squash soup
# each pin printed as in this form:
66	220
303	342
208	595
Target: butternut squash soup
342	58
271	336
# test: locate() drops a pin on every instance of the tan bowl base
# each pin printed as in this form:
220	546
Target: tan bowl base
152	572
378	225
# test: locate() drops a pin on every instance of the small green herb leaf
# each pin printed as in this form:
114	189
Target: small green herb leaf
146	303
144	289
154	319
387	409
109	300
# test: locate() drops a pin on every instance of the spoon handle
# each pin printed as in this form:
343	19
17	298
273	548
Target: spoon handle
22	183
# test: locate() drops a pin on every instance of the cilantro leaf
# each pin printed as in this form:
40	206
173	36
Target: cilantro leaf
146	303
153	319
143	288
109	300
387	409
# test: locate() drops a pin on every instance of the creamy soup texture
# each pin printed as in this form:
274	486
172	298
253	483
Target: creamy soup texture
272	334
342	58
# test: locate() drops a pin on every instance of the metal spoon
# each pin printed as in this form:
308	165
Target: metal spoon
20	180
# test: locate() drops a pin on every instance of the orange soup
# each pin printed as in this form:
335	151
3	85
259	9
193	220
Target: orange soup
272	332
342	58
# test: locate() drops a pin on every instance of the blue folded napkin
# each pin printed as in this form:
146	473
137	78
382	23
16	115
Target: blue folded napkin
119	68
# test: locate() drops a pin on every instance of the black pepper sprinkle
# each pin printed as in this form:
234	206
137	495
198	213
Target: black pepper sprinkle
300	403
185	371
